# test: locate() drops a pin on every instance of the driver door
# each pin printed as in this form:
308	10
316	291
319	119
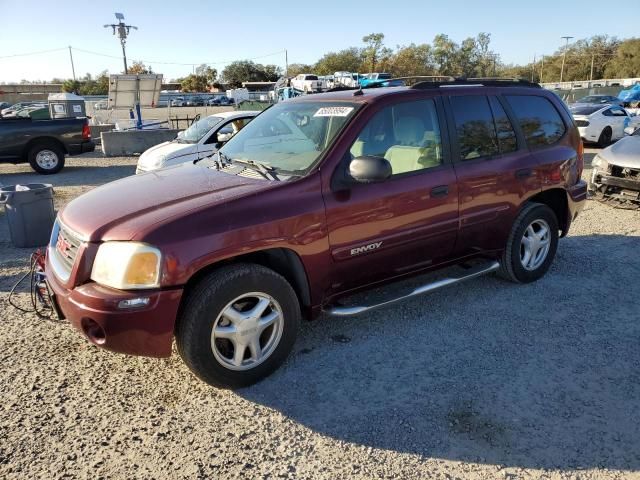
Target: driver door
406	223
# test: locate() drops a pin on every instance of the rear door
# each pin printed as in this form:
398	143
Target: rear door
494	170
378	231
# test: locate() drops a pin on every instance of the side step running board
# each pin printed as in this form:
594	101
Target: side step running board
347	311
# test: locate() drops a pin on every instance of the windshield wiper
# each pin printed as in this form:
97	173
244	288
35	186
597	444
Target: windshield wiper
267	172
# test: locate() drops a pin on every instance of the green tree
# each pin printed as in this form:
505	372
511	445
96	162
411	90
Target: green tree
247	71
445	52
211	74
71	86
298	68
195	83
138	68
412	60
626	62
374	53
347	60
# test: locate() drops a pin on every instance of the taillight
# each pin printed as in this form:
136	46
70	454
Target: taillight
580	160
86	132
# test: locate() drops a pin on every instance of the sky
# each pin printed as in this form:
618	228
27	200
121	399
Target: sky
216	33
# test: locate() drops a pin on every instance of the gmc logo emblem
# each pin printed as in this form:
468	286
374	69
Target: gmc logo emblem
365	248
62	245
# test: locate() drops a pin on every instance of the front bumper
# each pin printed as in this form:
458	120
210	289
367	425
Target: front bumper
94	310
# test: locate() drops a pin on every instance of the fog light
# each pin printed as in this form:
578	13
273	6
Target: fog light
134	302
93	331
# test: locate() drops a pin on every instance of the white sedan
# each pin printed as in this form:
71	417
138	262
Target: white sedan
200	140
601	124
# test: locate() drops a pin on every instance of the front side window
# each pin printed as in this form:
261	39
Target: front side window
195	132
475	129
406	134
290	136
540	121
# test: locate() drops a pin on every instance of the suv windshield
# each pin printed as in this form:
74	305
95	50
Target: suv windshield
195	132
290	136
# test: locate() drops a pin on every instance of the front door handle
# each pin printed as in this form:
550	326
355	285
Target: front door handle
524	173
440	191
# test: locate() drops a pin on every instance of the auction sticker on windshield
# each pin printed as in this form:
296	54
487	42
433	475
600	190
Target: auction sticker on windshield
333	112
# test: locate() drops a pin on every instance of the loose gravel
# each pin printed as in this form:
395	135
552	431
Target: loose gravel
484	380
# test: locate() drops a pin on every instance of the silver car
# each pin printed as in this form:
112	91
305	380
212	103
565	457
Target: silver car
616	171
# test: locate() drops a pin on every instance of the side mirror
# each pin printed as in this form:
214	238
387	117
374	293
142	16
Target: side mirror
368	169
629	130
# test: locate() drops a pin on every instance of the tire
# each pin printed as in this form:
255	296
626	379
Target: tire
514	258
605	137
232	290
46	158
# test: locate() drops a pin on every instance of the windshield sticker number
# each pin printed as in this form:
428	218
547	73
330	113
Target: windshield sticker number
333	112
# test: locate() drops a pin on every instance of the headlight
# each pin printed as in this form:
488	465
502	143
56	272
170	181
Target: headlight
127	265
599	162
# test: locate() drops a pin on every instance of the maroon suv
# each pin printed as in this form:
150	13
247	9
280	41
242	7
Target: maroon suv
317	198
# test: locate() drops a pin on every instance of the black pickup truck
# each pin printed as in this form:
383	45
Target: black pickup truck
43	143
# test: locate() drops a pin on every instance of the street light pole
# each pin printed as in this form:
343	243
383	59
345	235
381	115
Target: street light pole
564	55
123	32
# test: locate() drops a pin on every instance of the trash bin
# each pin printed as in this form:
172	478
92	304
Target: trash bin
29	211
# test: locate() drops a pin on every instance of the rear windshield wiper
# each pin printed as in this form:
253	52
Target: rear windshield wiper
267	172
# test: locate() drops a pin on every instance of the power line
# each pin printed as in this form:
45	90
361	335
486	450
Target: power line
158	62
33	53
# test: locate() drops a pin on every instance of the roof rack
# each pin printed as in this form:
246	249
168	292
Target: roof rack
483	81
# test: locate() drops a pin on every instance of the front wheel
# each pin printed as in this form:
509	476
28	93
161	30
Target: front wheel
532	244
238	325
46	158
605	137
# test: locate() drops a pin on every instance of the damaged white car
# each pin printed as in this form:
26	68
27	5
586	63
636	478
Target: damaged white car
616	171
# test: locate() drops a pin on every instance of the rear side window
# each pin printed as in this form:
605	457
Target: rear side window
475	129
539	119
506	134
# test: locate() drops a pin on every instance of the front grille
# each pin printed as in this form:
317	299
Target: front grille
67	245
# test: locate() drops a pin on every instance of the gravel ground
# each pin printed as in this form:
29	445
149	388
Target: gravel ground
483	380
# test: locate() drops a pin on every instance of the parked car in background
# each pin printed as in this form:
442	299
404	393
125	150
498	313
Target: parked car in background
200	140
616	170
220	100
318	197
34	112
101	105
43	143
178	102
346	79
4	105
601	124
373	78
307	83
194	101
599	99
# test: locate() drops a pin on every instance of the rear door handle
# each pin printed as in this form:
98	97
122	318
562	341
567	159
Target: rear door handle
440	191
524	173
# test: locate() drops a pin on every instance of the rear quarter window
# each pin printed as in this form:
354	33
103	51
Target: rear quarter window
541	123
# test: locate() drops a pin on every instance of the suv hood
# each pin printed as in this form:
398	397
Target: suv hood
126	208
624	153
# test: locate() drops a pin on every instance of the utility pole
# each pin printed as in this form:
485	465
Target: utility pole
591	75
73	69
286	63
564	55
541	68
123	32
533	67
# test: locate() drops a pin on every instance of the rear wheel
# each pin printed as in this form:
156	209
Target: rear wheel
532	244
238	325
46	158
605	137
